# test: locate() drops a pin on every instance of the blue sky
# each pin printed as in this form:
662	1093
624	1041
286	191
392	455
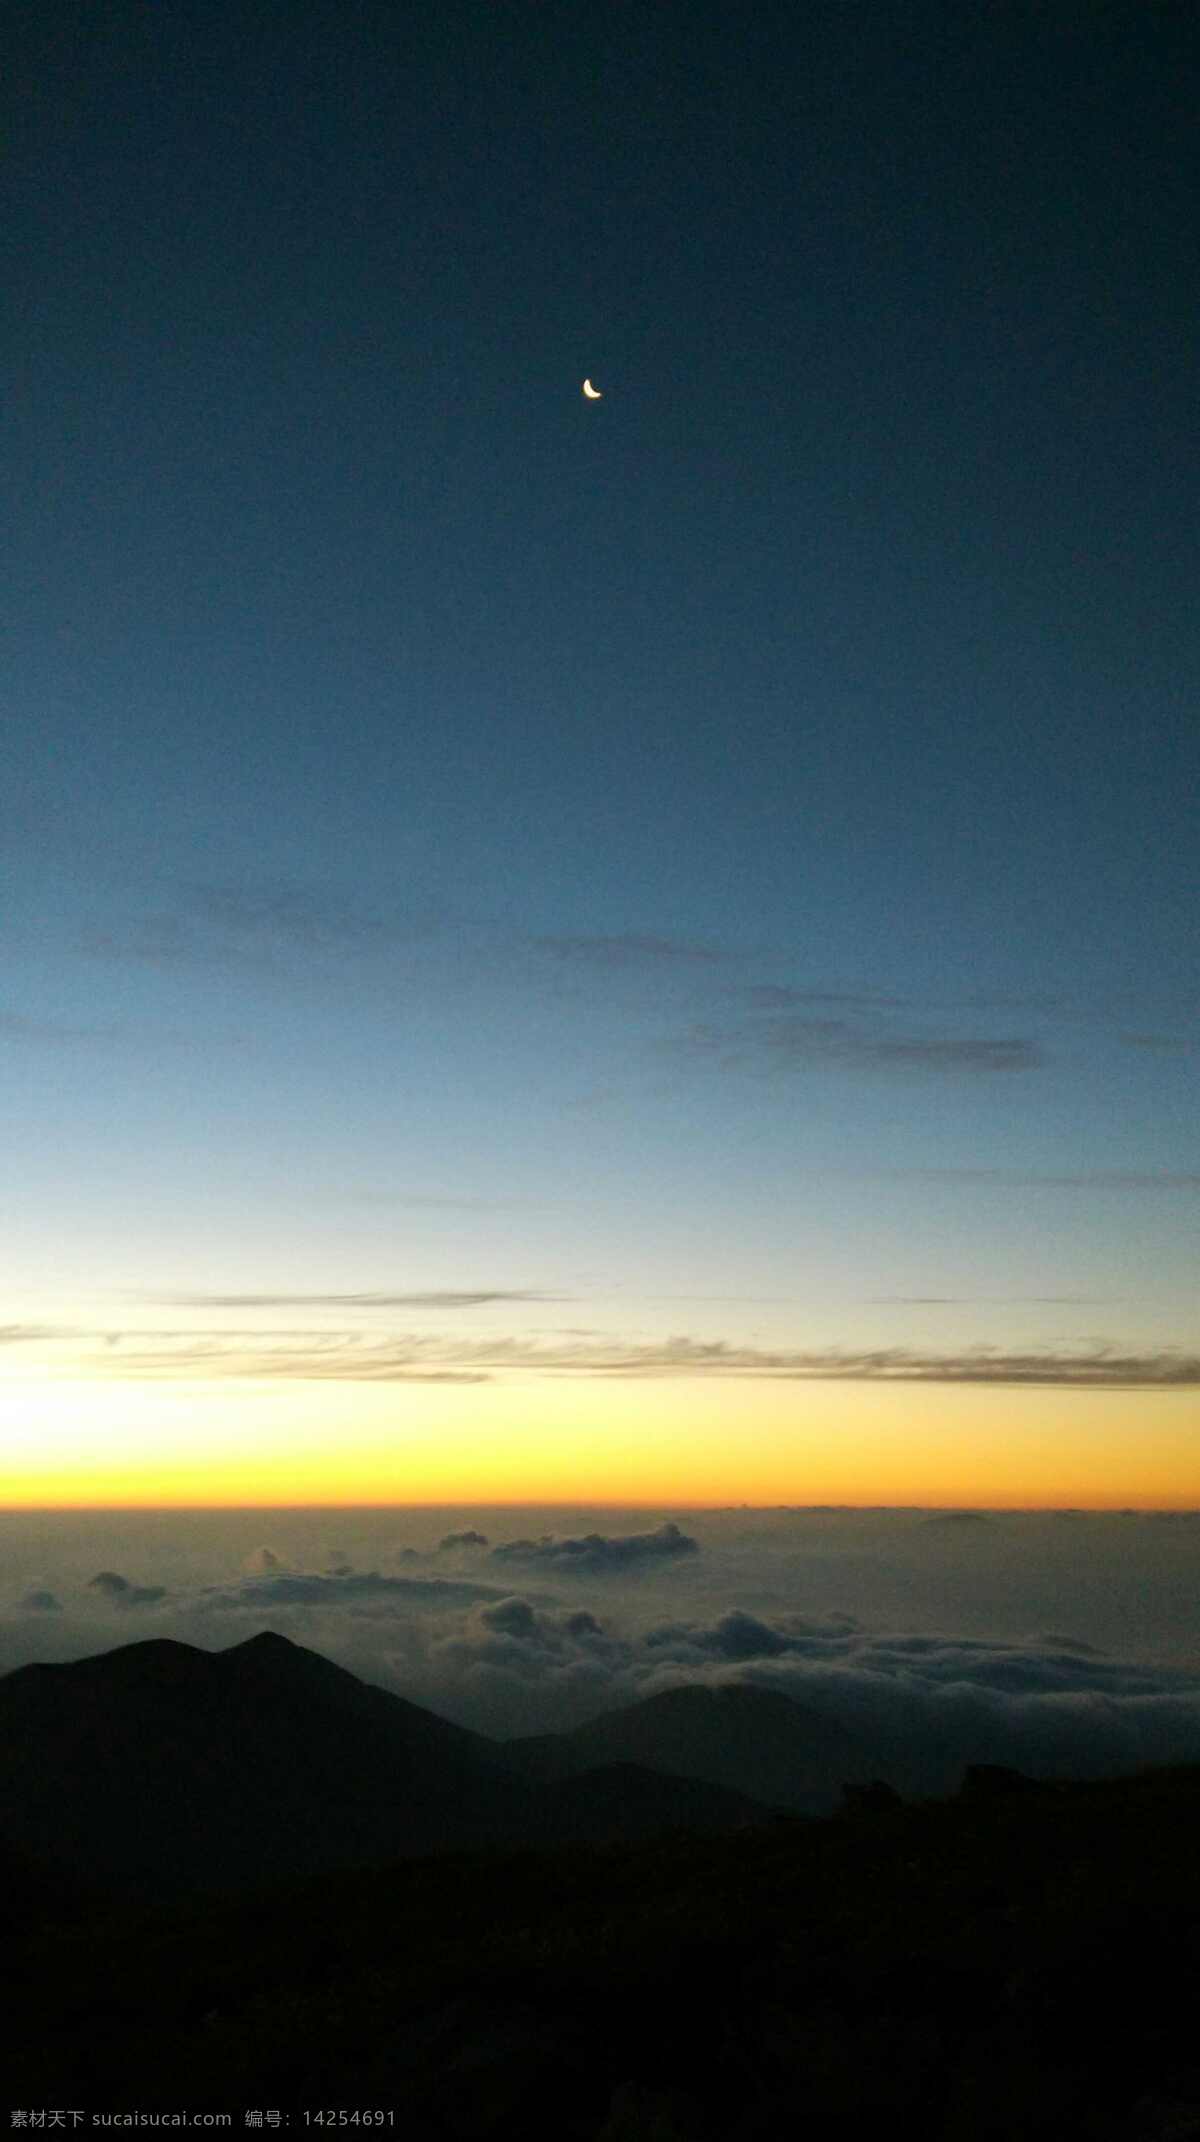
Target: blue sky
722	857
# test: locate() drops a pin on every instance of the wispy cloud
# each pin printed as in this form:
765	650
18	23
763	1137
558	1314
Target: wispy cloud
357	1357
439	1298
790	1042
1007	1301
783	996
1166	1043
117	1035
32	1334
52	1033
246	925
323	1357
420	1201
627	949
308	916
1134	1179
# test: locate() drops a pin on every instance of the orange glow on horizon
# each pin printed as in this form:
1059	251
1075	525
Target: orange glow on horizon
678	1442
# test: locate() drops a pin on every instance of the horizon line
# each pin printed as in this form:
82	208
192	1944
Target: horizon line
653	1503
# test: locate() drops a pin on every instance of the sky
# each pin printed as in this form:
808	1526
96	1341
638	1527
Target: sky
632	951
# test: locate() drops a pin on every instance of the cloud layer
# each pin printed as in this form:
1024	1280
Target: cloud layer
542	1633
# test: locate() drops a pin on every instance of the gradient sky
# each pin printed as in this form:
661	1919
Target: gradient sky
624	950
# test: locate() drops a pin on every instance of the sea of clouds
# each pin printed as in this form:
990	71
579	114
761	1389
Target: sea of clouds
1061	1643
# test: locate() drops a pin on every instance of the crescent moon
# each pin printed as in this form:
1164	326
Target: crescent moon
592	394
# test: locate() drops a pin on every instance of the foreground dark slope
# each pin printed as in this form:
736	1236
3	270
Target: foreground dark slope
162	1766
1015	1965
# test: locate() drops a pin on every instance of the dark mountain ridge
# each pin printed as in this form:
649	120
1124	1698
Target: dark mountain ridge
160	1765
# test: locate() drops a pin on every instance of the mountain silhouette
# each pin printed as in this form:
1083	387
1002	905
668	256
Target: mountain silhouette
747	1740
159	1764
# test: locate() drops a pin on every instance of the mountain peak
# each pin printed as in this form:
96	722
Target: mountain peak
275	1659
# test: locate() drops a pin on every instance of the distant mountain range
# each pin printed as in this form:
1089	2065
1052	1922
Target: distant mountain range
159	1764
748	1740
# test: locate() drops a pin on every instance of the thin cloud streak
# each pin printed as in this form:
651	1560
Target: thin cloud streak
59	1034
1133	1179
800	1044
444	1298
52	1033
785	996
421	1202
32	1334
1171	1044
628	949
357	1358
1006	1301
244	926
